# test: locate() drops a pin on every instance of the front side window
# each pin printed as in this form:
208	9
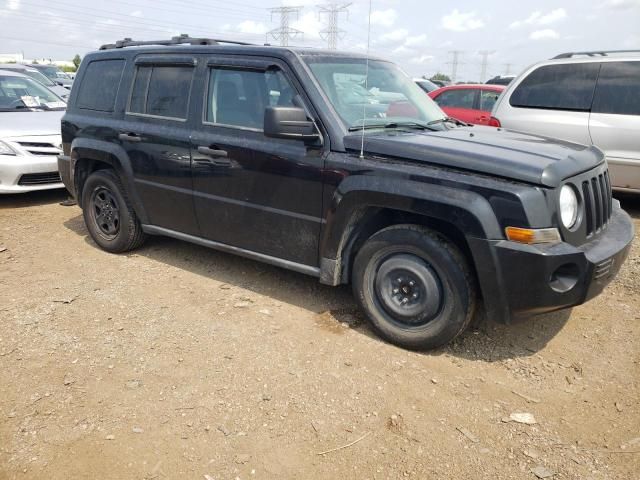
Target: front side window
558	87
161	91
618	90
19	93
373	94
458	98
100	84
239	97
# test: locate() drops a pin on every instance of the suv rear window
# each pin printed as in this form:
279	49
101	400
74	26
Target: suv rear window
558	87
161	91
99	86
618	89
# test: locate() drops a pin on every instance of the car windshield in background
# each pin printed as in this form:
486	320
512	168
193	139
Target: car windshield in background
21	93
36	75
387	98
53	73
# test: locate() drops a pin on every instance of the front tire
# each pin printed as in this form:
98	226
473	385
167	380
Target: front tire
108	214
415	286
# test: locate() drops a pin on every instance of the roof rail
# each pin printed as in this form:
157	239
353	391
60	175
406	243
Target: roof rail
179	40
597	53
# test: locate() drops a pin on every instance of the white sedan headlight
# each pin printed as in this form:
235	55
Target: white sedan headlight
6	149
568	206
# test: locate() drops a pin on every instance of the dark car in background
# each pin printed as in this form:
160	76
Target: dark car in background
53	73
503	80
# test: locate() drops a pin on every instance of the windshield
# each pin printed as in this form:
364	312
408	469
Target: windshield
36	75
23	93
387	97
52	72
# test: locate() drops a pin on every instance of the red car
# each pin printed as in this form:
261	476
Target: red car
469	103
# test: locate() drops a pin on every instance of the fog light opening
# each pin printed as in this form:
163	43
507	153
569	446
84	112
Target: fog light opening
565	278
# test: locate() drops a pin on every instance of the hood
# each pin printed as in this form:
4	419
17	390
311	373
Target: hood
499	152
20	124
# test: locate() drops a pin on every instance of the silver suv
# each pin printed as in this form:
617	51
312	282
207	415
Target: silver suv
591	98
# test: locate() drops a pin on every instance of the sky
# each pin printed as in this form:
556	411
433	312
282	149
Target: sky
419	35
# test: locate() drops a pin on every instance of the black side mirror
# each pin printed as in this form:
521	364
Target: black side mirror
289	122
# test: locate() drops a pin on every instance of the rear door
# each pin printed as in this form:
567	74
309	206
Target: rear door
553	100
260	194
460	103
614	123
155	133
488	98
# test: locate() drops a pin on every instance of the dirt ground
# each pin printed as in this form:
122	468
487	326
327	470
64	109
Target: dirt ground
180	362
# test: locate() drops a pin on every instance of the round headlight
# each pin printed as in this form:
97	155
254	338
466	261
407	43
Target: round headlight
568	206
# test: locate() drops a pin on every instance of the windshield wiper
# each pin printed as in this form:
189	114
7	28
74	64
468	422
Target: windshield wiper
416	125
450	120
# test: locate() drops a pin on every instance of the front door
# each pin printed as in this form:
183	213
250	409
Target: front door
260	194
614	123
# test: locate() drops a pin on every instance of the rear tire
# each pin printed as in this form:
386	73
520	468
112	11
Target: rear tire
108	214
415	286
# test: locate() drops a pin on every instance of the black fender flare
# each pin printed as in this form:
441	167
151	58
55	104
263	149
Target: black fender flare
83	149
465	210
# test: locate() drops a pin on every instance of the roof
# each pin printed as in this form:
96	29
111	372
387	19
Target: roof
479	86
11	73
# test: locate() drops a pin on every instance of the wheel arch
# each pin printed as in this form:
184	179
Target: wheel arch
90	155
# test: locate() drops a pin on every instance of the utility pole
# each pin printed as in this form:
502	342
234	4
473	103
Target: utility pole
284	33
332	33
485	62
455	62
507	68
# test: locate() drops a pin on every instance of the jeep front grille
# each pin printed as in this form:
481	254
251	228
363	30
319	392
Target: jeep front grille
598	204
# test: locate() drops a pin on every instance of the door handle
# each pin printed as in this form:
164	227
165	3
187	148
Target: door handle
129	137
212	152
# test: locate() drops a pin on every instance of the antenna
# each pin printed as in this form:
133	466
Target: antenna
366	81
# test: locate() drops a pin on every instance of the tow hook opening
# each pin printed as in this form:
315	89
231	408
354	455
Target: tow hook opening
564	278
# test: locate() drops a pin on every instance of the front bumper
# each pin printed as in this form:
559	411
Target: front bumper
533	279
27	173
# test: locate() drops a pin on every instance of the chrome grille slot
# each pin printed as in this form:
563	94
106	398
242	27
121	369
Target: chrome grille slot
598	203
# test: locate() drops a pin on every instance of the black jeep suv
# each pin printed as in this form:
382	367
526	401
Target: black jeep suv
337	165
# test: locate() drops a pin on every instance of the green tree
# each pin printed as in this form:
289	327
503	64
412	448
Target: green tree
442	77
76	60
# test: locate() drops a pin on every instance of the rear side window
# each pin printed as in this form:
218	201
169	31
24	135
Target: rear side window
558	87
618	89
462	98
161	91
99	86
488	99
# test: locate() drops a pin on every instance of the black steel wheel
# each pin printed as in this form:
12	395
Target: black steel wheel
415	286
105	212
108	213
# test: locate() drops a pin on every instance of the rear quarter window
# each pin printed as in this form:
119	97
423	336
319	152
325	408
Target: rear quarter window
618	90
558	87
99	86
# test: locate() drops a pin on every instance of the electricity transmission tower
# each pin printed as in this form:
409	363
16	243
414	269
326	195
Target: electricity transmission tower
284	32
455	62
332	33
485	62
507	68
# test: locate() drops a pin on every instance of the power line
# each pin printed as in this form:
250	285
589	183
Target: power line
285	32
332	33
485	62
455	62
